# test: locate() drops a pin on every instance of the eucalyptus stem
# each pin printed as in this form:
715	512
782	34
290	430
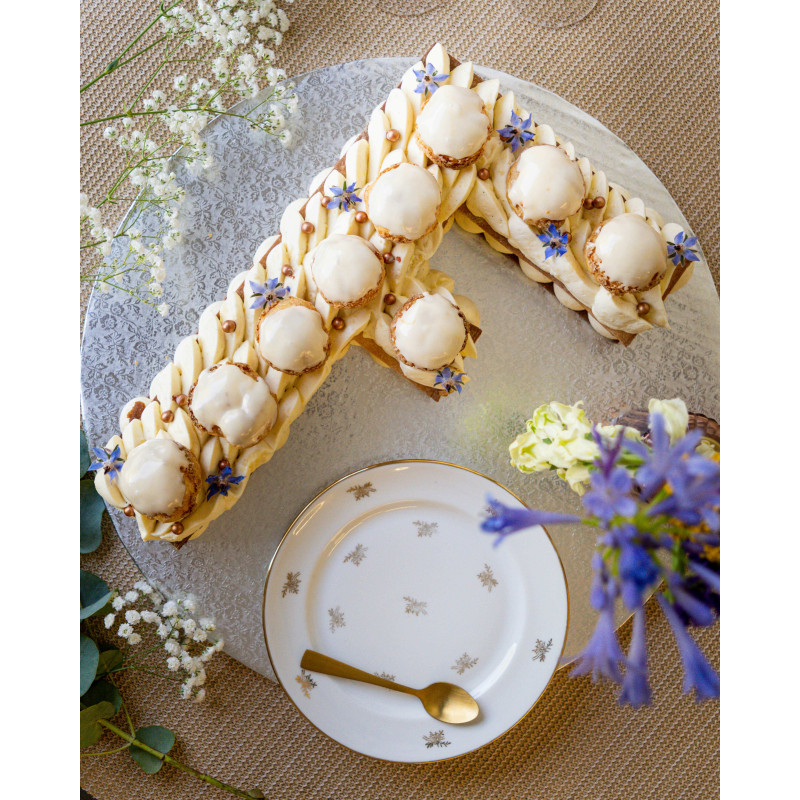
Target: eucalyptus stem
167	759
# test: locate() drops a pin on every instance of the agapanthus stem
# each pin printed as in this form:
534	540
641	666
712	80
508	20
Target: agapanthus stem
167	759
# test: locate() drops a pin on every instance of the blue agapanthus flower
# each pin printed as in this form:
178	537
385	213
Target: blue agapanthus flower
343	198
555	242
504	520
517	132
428	80
265	294
682	249
657	523
449	380
221	482
110	463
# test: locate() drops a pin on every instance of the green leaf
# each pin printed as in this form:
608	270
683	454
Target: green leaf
90	730
159	739
92	507
90	655
101	691
109	659
94	594
85	460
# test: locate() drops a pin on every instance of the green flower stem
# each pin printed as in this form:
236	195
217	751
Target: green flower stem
173	678
167	759
162	111
117	62
107	752
161	66
125	709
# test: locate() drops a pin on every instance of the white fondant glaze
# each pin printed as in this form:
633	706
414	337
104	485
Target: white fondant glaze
345	268
292	338
628	250
404	200
240	405
548	184
151	479
453	122
430	332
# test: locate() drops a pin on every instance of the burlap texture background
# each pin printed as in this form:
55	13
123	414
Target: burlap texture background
649	70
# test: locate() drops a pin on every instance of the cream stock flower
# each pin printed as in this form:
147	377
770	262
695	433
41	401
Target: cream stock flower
560	437
676	417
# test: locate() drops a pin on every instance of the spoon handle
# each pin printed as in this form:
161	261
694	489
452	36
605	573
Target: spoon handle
317	662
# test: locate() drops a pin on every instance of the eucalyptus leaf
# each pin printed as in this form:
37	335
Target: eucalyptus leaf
100	691
90	730
85	460
90	655
158	738
94	594
92	507
109	660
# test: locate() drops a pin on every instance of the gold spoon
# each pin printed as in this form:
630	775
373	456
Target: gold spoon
443	701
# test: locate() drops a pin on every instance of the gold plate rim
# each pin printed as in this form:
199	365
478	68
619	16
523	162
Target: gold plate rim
283	539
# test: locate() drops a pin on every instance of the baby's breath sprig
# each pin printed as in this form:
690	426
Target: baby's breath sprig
142	616
227	50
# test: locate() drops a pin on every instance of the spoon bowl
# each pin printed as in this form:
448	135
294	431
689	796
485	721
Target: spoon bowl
443	701
449	703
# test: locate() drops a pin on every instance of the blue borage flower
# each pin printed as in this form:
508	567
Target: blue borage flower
265	294
657	525
110	463
517	133
554	241
344	198
682	249
221	482
428	80
449	380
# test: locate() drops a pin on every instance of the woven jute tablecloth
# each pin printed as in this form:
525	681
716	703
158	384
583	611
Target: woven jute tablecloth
647	69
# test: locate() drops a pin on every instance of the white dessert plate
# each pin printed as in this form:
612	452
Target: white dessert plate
388	570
